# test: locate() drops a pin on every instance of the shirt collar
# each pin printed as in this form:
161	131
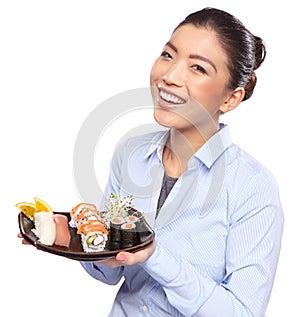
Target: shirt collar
157	143
207	154
214	146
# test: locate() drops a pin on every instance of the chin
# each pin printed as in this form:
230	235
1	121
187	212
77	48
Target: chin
166	118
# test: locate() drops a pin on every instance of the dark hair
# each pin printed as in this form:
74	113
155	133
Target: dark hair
245	51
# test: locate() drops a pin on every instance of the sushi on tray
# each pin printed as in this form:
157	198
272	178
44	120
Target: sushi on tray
90	226
49	228
115	228
118	227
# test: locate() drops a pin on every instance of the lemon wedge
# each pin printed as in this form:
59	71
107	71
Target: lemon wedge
29	209
41	205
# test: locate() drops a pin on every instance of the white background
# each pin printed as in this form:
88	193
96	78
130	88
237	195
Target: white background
58	61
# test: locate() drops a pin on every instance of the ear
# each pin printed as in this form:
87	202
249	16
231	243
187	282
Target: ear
233	100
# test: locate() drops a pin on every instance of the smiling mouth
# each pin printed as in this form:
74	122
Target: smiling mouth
170	98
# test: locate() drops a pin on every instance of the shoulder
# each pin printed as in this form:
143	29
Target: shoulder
246	166
250	182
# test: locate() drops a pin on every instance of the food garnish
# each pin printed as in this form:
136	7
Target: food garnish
41	205
29	209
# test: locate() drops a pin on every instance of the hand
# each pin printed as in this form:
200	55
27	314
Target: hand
128	258
23	240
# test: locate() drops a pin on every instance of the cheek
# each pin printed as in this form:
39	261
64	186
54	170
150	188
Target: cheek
154	74
209	94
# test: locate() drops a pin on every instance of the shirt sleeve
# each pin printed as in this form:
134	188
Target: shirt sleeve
103	273
253	246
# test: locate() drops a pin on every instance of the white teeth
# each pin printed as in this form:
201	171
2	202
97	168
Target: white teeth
170	98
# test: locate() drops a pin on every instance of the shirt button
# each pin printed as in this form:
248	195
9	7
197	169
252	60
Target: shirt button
144	308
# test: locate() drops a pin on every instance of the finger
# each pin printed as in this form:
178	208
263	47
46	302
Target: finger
25	242
122	256
126	258
106	260
110	262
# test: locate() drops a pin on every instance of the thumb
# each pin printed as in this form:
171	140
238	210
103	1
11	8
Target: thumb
122	257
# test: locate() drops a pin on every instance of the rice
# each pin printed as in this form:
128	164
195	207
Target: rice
45	228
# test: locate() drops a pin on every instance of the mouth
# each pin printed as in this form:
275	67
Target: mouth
167	98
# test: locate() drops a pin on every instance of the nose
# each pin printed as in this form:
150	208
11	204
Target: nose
174	75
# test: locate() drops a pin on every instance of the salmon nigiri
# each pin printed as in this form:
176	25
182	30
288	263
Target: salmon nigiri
63	236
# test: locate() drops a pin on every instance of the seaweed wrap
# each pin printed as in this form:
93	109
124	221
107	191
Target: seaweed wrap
129	236
115	233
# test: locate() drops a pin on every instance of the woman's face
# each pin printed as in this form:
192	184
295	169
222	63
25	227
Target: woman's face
189	79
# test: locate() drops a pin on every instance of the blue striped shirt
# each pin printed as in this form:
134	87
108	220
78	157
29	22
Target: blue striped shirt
218	233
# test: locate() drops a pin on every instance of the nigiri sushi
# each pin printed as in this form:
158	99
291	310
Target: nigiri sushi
63	236
45	228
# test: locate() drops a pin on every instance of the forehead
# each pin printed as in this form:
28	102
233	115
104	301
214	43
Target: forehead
190	39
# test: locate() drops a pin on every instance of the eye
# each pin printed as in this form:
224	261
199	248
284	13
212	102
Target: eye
166	54
200	69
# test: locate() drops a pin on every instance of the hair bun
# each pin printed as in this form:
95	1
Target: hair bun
260	51
249	88
260	55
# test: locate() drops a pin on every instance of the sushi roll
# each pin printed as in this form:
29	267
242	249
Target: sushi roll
137	217
139	223
115	233
132	219
93	235
77	210
94	241
85	215
129	236
115	228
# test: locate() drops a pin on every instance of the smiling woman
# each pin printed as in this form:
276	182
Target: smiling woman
215	210
217	214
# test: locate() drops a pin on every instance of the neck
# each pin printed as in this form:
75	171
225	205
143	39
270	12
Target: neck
181	146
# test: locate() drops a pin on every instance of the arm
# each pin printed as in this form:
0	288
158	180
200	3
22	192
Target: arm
103	273
253	240
244	291
253	246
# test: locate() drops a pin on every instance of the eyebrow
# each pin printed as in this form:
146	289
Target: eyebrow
194	56
173	47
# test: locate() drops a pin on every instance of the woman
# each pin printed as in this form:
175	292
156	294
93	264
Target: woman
215	210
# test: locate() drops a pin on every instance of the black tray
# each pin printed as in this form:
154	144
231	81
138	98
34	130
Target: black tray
75	250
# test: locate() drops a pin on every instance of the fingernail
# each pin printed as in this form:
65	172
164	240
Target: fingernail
121	257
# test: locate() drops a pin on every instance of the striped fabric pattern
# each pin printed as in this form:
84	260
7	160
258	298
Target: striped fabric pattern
218	233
